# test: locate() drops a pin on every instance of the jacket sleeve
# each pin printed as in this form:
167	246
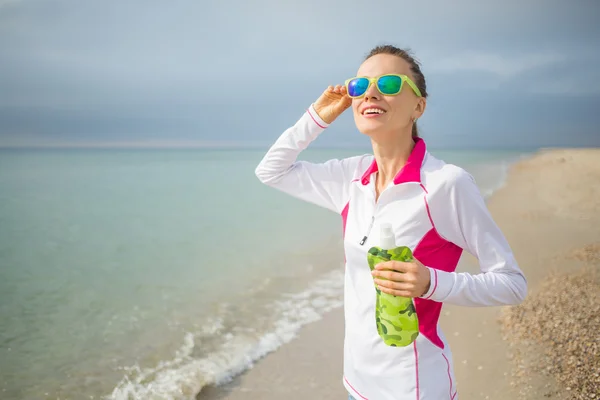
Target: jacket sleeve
461	216
324	184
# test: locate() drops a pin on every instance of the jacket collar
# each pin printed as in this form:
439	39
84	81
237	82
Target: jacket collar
411	172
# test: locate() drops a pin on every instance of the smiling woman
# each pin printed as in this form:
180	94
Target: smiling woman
404	193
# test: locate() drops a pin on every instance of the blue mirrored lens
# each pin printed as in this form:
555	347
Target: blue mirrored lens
357	87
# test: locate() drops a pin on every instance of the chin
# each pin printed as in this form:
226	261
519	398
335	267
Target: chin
370	128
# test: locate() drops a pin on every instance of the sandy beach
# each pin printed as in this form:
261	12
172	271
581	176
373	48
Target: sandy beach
549	210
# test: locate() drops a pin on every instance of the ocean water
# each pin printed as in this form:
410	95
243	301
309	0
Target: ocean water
149	274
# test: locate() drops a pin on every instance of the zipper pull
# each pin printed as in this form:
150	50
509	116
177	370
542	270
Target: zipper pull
364	239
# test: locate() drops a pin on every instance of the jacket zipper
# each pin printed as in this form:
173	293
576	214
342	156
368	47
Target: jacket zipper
364	239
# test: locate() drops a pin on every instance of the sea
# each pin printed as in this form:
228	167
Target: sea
152	273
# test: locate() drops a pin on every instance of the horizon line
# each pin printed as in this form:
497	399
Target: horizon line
265	147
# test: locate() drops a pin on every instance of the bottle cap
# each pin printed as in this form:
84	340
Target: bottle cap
387	238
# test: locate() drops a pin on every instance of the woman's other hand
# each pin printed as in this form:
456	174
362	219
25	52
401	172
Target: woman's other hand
406	279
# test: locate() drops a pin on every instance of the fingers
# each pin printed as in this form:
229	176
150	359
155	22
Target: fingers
396	266
401	293
398	288
339	89
393	285
394	276
407	279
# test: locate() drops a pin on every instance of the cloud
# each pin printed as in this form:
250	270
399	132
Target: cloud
503	66
138	69
565	85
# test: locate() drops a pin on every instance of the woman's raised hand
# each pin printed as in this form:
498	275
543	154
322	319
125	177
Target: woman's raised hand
332	103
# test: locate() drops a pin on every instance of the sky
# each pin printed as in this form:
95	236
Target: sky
188	73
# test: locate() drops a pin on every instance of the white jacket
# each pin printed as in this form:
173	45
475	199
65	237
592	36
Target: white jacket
435	209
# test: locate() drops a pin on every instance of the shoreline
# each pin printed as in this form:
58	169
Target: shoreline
532	200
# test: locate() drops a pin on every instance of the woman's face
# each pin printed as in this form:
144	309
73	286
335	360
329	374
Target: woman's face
398	111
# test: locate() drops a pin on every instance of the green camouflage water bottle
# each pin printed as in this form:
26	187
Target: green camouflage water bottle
396	318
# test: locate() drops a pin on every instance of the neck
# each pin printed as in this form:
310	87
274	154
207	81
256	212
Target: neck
391	153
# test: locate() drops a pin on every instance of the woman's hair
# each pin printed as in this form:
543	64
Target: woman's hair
414	67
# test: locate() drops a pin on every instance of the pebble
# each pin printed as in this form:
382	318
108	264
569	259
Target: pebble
562	317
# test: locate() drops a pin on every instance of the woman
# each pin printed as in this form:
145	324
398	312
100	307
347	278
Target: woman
434	208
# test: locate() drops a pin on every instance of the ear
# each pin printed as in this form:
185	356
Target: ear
420	108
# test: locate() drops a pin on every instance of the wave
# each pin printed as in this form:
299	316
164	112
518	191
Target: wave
223	349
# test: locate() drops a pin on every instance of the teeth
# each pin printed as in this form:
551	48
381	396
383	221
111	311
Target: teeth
373	111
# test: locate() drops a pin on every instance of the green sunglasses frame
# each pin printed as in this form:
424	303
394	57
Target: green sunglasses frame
403	78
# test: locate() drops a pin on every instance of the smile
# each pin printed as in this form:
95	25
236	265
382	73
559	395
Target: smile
373	111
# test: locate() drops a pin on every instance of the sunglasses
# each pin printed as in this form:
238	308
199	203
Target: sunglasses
388	85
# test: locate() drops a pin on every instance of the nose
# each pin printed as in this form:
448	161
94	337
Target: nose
372	93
